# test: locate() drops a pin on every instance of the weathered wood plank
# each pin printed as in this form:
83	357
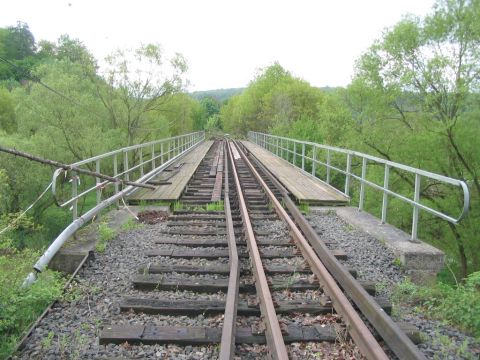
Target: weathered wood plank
182	335
219	269
182	174
305	188
212	241
209	285
211	307
223	252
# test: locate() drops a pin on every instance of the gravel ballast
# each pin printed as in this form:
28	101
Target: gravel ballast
72	328
375	262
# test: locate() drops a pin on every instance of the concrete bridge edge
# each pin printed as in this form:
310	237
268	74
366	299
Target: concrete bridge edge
420	261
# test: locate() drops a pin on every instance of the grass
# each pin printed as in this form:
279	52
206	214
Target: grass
456	305
105	234
216	206
304	208
20	307
131	224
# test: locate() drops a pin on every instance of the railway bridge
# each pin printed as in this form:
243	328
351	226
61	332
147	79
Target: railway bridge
218	248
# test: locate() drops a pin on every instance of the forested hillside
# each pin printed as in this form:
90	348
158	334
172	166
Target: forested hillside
414	99
220	95
55	103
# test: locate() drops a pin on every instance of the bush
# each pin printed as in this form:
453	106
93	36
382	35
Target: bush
457	305
19	307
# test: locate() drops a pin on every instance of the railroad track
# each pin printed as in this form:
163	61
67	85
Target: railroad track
253	269
234	272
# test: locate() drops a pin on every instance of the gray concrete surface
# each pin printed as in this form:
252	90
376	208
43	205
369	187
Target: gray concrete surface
83	243
420	261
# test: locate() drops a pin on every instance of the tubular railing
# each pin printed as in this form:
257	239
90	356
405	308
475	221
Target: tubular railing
304	153
171	149
128	163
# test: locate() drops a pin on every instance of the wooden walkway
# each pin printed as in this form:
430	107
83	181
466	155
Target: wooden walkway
303	187
173	180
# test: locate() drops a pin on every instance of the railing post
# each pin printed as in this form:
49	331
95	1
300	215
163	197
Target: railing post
416	198
294	153
115	173
362	184
276	149
328	166
97	181
347	175
125	166
386	180
161	153
153	157
314	160
303	156
74	194
141	162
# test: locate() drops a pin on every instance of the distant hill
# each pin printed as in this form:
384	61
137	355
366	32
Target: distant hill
219	94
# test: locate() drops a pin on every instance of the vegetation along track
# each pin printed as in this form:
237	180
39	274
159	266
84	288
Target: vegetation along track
230	267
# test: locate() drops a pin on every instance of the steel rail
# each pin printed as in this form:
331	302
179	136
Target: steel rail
360	333
273	334
227	343
395	338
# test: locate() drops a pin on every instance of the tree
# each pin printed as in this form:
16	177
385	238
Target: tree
7	112
19	42
420	82
138	83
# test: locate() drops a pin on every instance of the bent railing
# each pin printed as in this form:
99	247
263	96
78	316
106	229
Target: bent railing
305	154
128	163
160	155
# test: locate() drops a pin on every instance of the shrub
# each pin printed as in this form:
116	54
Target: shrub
457	305
19	307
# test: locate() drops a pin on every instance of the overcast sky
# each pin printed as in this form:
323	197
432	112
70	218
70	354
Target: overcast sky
225	42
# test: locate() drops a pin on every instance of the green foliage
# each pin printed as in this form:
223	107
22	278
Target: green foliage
131	224
216	206
418	82
457	305
7	112
304	208
19	307
416	88
220	95
105	234
177	205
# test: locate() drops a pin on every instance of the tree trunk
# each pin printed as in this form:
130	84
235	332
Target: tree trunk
461	252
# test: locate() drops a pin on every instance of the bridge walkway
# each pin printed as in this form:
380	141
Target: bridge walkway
171	182
303	187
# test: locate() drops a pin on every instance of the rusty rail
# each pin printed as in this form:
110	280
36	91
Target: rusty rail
273	333
395	338
357	328
227	344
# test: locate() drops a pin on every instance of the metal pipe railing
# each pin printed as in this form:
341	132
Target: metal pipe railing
287	149
78	222
148	154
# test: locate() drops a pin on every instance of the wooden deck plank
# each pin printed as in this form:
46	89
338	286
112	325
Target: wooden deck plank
173	191
305	188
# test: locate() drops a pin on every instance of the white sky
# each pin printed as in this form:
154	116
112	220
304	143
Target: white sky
225	42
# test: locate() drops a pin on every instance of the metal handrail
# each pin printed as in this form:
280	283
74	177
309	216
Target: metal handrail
290	149
77	223
159	151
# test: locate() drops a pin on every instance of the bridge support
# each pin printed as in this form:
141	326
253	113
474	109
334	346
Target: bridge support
420	261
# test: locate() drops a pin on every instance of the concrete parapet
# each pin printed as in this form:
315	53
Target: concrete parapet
83	243
420	260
